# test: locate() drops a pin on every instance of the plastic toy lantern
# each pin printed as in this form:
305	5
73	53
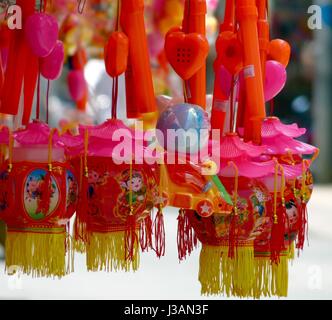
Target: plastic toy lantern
227	261
281	144
188	185
42	198
227	256
117	196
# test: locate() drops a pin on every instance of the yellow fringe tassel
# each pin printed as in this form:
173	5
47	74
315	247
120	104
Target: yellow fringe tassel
244	275
106	251
79	244
210	270
291	252
271	279
39	254
220	274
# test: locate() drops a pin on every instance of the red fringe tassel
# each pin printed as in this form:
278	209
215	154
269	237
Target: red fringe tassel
303	225
186	237
146	234
82	212
159	232
131	238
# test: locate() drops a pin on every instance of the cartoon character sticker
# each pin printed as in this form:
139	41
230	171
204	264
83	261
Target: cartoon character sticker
72	189
96	182
33	188
262	225
133	189
258	200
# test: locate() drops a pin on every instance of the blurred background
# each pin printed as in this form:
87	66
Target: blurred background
306	100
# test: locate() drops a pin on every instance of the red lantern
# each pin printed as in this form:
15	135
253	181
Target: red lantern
116	202
45	190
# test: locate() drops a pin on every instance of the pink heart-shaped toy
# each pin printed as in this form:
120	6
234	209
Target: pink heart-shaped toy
41	33
51	66
76	84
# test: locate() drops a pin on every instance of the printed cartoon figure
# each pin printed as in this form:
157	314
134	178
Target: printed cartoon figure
32	189
33	195
95	180
72	190
258	200
134	188
292	214
262	225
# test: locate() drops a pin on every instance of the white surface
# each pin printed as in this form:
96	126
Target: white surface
310	275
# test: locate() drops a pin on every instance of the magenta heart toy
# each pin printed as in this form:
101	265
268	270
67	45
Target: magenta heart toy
275	79
41	33
51	66
76	84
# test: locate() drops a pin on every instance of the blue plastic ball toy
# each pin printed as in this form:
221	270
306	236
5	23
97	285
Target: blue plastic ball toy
183	128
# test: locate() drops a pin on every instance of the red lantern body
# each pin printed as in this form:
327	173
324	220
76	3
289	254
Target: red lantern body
37	239
111	188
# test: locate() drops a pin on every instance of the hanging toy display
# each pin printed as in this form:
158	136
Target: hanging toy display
41	198
246	251
240	179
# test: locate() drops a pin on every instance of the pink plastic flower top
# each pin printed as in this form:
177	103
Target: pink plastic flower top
36	133
114	139
279	138
247	158
233	149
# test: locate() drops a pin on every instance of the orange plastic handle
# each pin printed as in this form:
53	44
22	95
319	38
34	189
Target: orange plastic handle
194	22
263	33
139	85
247	16
116	53
229	17
219	103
